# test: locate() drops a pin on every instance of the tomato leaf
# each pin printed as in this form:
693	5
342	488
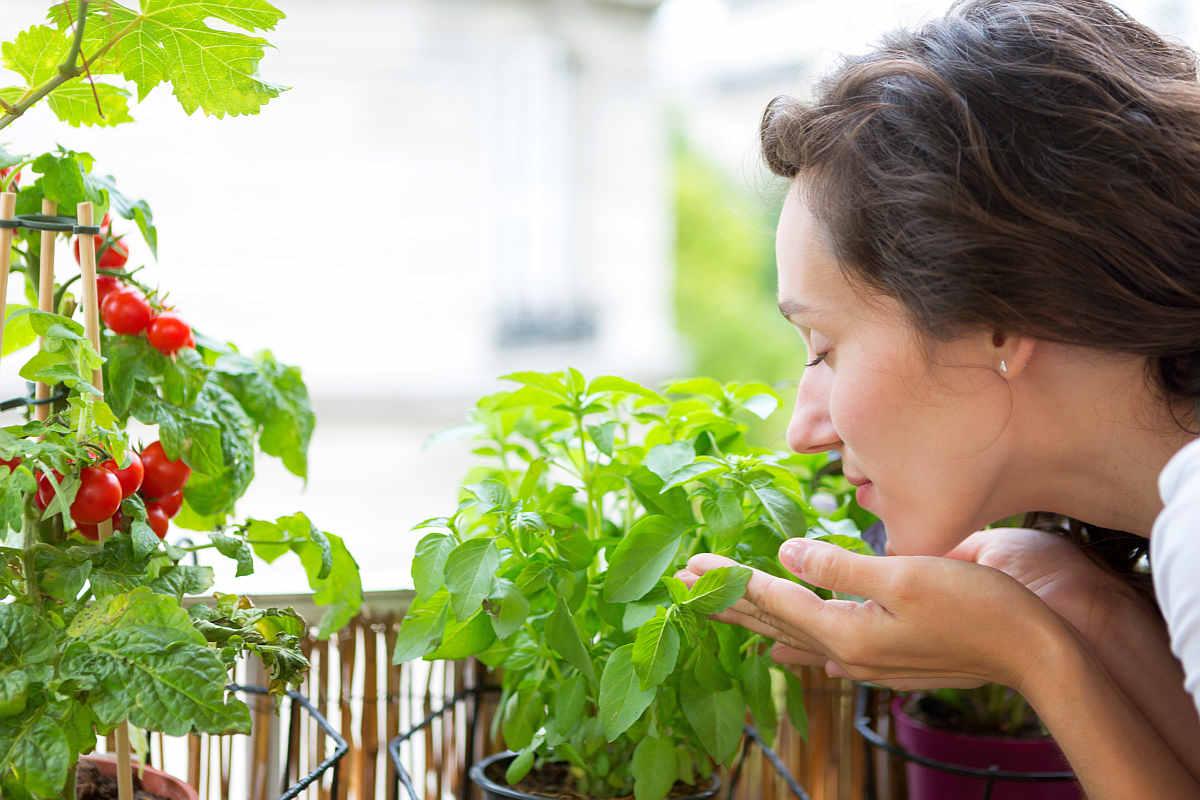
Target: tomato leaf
145	662
274	397
237	549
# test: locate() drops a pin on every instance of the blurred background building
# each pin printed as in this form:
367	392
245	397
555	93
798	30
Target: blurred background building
455	189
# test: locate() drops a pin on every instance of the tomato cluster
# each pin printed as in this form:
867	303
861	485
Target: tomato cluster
162	486
158	480
16	181
125	310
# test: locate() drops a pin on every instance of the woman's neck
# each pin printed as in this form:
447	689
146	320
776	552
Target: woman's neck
1095	441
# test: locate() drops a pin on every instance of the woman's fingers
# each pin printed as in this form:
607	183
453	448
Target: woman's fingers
788	636
781	599
797	657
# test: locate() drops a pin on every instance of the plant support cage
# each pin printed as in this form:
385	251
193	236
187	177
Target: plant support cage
470	697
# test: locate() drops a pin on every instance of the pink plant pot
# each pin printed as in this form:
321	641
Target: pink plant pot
978	752
154	780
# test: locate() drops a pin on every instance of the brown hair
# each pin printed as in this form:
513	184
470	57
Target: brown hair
1031	166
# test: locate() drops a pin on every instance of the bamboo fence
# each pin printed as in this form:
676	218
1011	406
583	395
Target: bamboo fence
369	701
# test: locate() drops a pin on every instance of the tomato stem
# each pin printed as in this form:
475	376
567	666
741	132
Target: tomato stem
27	558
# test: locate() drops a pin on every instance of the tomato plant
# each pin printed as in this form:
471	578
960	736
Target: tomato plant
558	565
92	623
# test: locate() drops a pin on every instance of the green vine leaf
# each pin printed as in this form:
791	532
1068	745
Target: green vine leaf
170	41
36	54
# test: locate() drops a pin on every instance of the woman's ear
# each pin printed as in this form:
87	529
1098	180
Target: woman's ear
1010	355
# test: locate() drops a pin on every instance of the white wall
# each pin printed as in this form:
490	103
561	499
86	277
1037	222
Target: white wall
434	166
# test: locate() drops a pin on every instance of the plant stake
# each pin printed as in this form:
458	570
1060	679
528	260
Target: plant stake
91	324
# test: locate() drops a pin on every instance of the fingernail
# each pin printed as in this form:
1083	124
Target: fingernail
792	552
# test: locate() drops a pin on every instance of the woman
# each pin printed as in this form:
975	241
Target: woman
991	247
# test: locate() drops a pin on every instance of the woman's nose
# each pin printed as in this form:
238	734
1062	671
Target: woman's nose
810	429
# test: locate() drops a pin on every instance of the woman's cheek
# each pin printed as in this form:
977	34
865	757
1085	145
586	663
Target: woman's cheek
862	409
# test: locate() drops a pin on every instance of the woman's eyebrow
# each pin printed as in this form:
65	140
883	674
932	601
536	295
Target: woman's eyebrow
791	307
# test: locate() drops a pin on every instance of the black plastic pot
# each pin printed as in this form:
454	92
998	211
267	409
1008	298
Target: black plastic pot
498	791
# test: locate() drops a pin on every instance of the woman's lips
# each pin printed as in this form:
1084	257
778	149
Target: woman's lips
863	493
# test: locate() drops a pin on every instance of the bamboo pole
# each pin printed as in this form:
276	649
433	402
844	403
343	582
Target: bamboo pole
370	709
392	717
91	325
323	703
347	658
8	210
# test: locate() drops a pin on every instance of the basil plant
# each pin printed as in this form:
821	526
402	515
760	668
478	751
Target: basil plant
557	570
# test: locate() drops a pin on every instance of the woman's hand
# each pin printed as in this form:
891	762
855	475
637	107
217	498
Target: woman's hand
1056	570
926	623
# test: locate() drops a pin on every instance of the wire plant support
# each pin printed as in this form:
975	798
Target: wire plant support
472	695
331	762
864	694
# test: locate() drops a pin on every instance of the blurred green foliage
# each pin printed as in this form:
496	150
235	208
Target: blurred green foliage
725	305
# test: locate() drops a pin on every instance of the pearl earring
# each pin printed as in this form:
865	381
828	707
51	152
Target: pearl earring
1003	367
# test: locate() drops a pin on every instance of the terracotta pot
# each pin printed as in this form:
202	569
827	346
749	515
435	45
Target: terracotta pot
978	752
499	791
154	780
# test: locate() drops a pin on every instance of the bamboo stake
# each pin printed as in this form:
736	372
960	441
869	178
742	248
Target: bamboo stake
323	703
124	769
194	760
46	298
392	716
347	657
370	712
91	324
8	210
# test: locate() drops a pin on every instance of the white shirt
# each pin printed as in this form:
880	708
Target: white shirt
1175	559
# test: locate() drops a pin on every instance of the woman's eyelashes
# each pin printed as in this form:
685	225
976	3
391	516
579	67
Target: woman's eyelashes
810	346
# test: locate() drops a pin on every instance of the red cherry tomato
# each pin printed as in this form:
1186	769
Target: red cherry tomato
114	257
93	531
158	521
11	463
126	311
168	333
169	505
99	496
106	285
16	181
45	489
130	477
163	476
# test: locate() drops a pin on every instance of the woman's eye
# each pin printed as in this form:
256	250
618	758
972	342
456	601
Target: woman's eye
820	357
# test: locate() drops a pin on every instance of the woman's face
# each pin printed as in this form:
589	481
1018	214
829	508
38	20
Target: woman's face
928	434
